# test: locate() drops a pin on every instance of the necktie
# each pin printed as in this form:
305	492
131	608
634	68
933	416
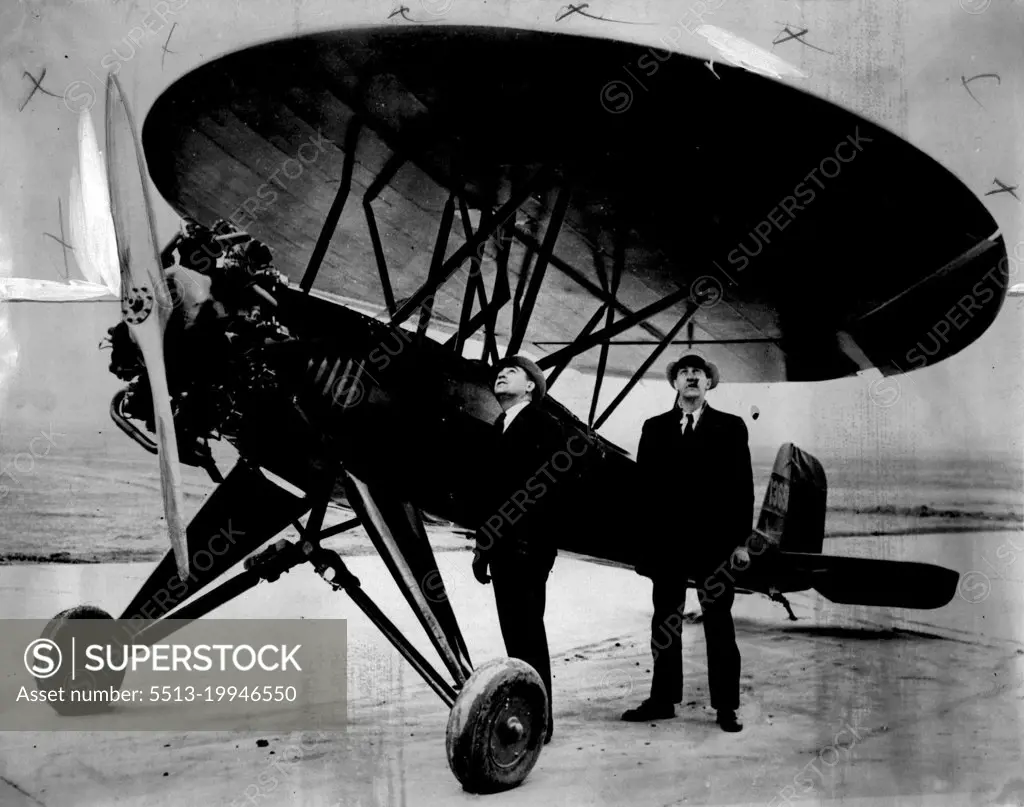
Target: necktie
499	424
688	428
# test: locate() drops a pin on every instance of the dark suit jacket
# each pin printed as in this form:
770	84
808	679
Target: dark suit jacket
699	500
521	514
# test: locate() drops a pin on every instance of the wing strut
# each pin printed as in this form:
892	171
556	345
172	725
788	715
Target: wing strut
500	294
440	245
691	309
602	362
385	176
323	241
537	276
474	286
583	345
450	266
591	324
581	280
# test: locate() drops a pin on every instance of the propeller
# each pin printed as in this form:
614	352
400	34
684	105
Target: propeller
145	299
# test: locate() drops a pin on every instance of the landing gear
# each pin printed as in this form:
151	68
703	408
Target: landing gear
496	728
60	630
778	596
499	713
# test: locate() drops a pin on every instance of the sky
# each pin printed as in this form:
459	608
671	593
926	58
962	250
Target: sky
904	66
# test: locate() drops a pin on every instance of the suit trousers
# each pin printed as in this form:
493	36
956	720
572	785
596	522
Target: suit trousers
720	635
520	595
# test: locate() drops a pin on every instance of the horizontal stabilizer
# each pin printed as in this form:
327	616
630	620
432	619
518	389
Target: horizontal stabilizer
864	581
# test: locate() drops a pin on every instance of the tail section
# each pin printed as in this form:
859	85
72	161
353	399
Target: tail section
793	514
793	521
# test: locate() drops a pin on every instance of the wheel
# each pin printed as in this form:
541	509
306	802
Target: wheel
496	727
59	630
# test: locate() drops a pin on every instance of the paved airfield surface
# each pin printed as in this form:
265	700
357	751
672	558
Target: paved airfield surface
858	705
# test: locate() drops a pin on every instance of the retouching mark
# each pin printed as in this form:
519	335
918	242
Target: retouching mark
166	43
63	244
37	84
1004	188
569	10
965	81
797	35
14	785
404	11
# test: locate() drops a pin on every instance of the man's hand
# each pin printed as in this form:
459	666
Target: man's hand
740	558
480	568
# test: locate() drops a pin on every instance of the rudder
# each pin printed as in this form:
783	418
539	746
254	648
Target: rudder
793	513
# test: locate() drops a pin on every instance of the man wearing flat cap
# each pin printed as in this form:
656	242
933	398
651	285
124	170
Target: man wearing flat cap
519	529
694	465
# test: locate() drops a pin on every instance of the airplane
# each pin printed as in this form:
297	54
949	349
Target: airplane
582	228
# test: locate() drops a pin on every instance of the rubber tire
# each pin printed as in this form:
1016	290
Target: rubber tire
58	630
472	726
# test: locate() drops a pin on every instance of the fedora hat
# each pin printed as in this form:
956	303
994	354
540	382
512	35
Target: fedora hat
540	384
693	360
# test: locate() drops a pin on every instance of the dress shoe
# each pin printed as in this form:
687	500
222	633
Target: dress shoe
727	720
650	710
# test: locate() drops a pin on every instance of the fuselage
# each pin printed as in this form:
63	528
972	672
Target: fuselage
405	411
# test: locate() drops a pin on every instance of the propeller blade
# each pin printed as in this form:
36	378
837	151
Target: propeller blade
145	299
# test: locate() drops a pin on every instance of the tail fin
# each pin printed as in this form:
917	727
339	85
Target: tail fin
793	514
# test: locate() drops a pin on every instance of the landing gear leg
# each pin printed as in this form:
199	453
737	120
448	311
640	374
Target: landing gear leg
778	596
499	714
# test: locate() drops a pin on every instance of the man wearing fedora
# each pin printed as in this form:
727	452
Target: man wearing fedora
519	531
694	464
